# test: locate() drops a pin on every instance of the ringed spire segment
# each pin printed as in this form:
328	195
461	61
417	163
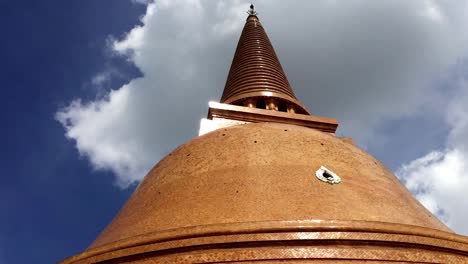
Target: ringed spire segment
256	77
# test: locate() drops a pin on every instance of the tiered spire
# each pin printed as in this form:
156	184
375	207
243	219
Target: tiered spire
256	78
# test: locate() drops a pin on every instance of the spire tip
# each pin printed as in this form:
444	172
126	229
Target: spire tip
252	11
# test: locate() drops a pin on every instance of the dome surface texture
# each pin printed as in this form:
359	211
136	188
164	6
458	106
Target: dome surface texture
264	172
249	193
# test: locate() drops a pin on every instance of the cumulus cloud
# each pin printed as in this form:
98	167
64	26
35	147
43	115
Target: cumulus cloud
439	178
439	181
362	62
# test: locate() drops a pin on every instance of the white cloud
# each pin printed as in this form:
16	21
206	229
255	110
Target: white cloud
432	11
439	179
100	78
457	116
114	147
360	61
142	1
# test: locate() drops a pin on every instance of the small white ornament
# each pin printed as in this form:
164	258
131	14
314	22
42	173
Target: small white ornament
327	175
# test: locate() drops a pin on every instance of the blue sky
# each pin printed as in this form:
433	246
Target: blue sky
96	92
52	203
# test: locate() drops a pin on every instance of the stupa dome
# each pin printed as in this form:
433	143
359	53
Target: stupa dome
264	172
209	198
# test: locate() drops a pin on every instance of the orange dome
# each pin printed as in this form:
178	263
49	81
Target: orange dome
261	176
264	172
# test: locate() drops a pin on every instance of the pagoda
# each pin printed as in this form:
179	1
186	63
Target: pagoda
269	182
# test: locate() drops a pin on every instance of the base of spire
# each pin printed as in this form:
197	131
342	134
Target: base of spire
225	115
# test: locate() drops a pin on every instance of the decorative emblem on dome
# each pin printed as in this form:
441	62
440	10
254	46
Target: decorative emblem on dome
327	175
